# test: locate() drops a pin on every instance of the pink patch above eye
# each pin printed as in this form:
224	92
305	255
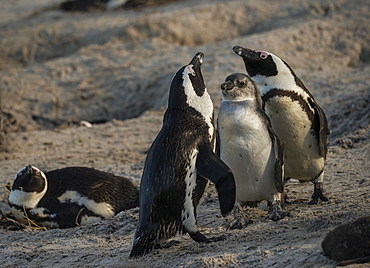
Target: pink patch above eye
190	69
263	54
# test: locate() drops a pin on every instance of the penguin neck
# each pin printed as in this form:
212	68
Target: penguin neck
286	83
26	199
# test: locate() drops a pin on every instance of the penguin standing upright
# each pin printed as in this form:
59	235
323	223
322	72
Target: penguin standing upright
249	147
296	118
179	160
70	196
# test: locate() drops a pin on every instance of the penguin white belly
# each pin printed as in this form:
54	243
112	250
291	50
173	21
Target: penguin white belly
187	214
293	127
246	148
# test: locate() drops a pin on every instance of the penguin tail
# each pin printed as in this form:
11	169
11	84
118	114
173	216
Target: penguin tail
139	250
142	245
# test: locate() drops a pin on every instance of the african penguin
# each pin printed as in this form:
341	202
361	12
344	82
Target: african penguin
178	163
249	146
296	118
70	196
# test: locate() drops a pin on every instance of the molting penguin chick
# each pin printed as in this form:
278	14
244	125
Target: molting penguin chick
178	163
70	196
249	147
295	116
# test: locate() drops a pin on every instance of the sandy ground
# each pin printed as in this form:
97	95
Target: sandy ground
113	68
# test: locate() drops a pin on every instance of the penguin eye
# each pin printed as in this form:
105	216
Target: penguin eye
263	56
241	83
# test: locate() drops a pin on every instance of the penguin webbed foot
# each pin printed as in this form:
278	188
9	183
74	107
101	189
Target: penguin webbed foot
276	213
240	219
318	194
200	238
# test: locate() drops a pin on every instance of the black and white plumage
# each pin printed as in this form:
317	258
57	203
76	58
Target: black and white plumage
70	196
249	146
296	118
178	163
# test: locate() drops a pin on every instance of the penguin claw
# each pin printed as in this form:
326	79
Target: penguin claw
200	238
315	199
240	220
276	213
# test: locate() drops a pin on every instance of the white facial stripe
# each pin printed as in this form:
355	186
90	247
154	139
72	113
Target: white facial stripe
41	173
263	54
33	167
203	104
103	208
187	214
19	171
283	80
25	199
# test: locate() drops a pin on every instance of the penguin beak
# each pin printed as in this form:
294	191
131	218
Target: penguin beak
29	169
196	63
197	60
228	85
246	53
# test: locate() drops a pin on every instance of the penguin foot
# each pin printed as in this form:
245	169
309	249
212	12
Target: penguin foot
318	194
200	238
276	213
240	219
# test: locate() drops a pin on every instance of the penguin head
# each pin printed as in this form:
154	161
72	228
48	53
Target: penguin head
265	67
29	186
187	85
239	87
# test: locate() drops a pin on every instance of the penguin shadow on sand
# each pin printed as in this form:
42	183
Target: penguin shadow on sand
69	197
296	118
179	165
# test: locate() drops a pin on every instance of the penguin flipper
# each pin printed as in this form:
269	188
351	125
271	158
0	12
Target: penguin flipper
278	153
213	168
323	129
218	143
279	163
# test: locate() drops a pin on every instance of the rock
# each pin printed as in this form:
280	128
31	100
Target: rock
349	241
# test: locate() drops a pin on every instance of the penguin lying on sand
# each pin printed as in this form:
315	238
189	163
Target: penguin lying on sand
70	196
178	163
249	146
295	116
